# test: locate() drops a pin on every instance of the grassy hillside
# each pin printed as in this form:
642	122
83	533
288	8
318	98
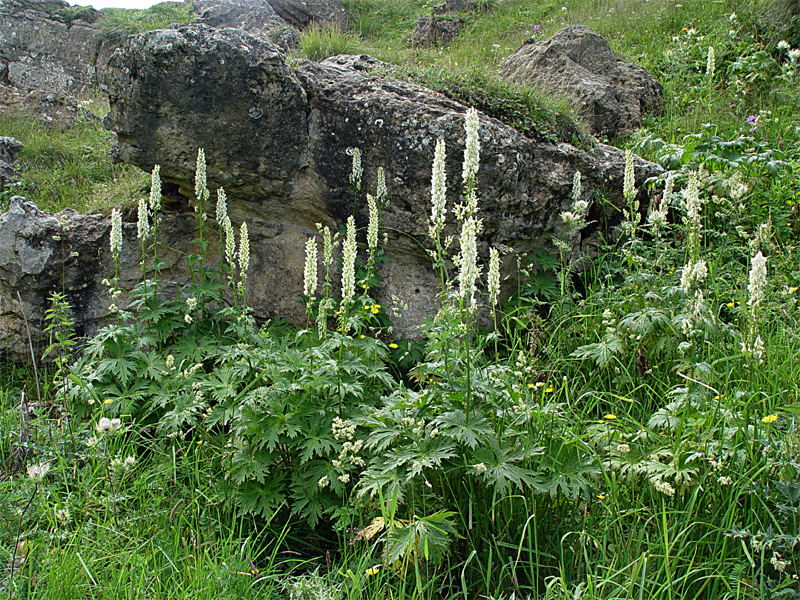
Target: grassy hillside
628	430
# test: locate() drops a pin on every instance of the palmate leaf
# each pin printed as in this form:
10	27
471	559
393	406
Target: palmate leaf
416	461
503	468
424	538
317	440
601	352
454	424
566	469
263	498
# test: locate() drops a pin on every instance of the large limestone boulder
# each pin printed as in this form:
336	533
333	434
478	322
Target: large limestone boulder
578	64
302	13
256	17
47	45
277	139
68	253
431	31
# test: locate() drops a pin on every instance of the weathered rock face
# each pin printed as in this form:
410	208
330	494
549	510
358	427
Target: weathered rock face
578	64
435	31
453	6
9	148
47	45
276	140
302	13
42	253
256	17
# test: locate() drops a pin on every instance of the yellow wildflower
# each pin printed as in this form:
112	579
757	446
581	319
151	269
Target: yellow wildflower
549	389
769	419
610	417
393	346
107	401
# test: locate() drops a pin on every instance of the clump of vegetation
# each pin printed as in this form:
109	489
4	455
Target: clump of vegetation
319	41
68	167
626	431
117	23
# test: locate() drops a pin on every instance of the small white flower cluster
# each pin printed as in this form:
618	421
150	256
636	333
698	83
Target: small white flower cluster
664	487
108	425
779	564
493	281
693	275
191	303
126	465
372	226
575	218
342	430
38	472
480	468
631	210
758	279
756	349
660	209
115	241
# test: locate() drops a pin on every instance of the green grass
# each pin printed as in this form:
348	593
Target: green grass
69	167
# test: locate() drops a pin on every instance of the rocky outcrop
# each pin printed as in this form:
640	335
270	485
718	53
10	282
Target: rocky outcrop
276	139
9	148
301	13
68	253
47	45
431	31
256	17
454	6
578	64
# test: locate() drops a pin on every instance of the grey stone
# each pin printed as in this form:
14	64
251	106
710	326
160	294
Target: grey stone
47	46
302	13
578	64
172	92
454	6
433	31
